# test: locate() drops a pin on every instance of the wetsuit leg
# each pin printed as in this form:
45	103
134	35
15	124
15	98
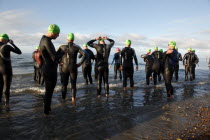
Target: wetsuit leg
100	75
106	79
50	76
34	73
186	72
155	77
89	71
1	86
115	71
125	76
120	73
60	69
65	79
85	73
191	72
73	77
168	77
194	66
96	72
148	73
131	71
176	72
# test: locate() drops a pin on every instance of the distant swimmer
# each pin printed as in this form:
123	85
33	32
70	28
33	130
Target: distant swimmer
196	60
103	52
179	57
50	64
116	59
189	61
68	56
38	63
87	65
169	60
6	66
126	63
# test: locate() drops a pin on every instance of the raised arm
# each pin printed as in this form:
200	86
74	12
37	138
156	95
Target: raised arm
111	44
14	48
91	43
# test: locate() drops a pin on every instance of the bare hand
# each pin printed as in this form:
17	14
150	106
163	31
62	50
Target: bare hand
169	51
121	67
105	38
137	68
110	66
98	38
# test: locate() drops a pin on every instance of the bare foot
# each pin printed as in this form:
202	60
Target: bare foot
99	96
107	95
124	88
150	77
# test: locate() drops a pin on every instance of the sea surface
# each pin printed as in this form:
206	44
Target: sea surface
135	114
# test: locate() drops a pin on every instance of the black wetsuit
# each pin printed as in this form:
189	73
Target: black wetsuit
6	69
87	65
149	59
176	67
68	56
126	60
49	70
169	62
103	52
159	55
96	68
196	62
116	59
189	61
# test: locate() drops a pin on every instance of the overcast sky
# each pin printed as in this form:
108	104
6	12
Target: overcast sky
145	22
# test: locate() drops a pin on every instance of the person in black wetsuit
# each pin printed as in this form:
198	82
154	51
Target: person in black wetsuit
67	54
196	62
159	56
149	59
49	64
96	68
179	57
189	60
126	64
87	65
169	60
6	66
116	59
103	52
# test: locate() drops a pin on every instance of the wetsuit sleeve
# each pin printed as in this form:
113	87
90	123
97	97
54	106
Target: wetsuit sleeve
91	44
184	59
180	57
113	59
15	49
197	59
135	58
121	57
59	54
50	50
83	54
111	44
79	56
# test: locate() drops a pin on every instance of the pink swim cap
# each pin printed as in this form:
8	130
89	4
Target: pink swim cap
117	49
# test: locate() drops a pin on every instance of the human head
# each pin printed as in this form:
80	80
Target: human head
4	38
118	50
101	41
70	37
85	46
161	50
156	48
172	45
128	43
189	49
193	50
53	31
149	51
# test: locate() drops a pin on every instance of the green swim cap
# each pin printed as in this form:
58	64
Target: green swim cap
172	43
149	50
70	36
155	47
53	28
37	47
189	49
176	48
128	42
85	45
4	36
193	50
161	50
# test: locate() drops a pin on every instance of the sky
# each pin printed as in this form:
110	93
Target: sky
145	22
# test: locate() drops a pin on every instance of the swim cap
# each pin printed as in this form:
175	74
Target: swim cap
37	47
193	50
118	49
128	42
172	43
85	45
53	28
149	50
155	48
161	50
189	49
4	36
70	36
176	48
